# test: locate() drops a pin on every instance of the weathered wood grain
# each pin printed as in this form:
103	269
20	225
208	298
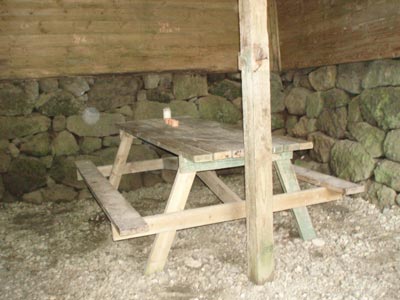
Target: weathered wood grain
314	32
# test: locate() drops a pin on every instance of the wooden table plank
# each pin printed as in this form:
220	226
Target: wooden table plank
202	140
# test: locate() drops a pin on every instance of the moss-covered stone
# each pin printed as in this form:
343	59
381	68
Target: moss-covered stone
323	78
90	144
350	76
314	105
369	136
24	175
391	145
76	85
159	95
381	195
114	91
322	146
5	161
18	98
277	121
350	161
37	145
154	110
64	144
226	88
186	86
151	80
59	193
354	112
388	172
381	106
304	127
63	171
59	123
296	99
105	126
291	121
333	122
111	141
334	98
59	103
47	85
277	94
218	109
382	73
17	127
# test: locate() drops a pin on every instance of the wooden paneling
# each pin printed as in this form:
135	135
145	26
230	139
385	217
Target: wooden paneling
324	32
43	38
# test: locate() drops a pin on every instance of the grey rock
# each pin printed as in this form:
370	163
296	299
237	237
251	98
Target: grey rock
382	73
226	88
165	81
124	110
34	197
369	136
13	150
77	86
110	92
64	144
304	127
218	109
354	112
388	173
37	145
350	76
151	81
381	106
334	98
105	126
277	94
154	110
47	85
59	103
381	195
186	86
323	78
63	170
59	193
397	199
277	121
5	161
141	95
59	123
296	99
391	145
302	80
322	146
24	175
159	95
18	98
111	141
90	144
350	161
291	121
333	122
16	127
314	105
47	161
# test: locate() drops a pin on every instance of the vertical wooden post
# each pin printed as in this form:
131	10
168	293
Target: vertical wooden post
254	63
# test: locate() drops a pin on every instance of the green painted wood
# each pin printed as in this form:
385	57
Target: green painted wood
289	182
186	165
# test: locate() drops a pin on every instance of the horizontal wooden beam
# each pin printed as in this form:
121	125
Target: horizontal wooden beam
228	212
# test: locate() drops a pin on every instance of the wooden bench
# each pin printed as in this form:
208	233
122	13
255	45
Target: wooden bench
201	147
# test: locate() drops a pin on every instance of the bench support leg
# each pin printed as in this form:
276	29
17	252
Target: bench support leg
120	159
289	182
176	202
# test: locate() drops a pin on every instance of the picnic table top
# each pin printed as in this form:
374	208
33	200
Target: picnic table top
203	140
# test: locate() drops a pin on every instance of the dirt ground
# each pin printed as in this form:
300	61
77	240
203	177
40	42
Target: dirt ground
65	251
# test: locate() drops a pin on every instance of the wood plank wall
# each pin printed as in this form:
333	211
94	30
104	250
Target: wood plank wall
324	32
44	38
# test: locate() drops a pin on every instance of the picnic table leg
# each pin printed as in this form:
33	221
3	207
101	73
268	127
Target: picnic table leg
176	202
289	182
120	159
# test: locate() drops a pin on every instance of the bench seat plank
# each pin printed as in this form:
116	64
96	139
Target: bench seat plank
122	215
333	183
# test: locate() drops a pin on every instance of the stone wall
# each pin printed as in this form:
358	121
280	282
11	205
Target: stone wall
351	112
46	125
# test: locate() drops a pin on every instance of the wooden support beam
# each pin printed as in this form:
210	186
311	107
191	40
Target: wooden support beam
254	63
227	212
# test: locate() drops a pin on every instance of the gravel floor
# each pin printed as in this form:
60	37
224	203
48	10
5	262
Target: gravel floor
65	251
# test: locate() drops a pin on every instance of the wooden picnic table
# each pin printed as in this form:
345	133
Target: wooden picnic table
201	147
